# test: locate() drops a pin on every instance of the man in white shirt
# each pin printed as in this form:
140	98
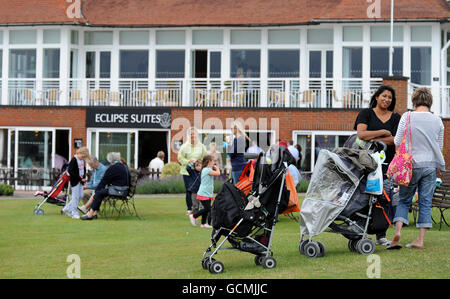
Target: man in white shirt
157	163
294	152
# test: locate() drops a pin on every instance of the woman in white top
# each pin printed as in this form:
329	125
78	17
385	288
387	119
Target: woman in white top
427	141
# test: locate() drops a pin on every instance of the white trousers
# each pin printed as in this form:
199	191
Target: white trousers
77	194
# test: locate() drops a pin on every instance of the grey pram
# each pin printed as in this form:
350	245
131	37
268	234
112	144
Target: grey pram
336	202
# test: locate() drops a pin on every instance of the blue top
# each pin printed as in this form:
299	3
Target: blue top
97	176
207	183
237	154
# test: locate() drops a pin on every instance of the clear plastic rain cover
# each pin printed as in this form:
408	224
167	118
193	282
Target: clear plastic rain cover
331	187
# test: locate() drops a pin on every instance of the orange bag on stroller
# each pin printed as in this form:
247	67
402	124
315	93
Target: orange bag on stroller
293	205
245	182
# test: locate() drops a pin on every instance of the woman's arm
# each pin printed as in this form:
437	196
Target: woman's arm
366	135
387	140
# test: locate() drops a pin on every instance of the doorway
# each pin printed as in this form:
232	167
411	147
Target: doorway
150	143
321	77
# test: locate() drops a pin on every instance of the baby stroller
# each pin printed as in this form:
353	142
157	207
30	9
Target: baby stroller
54	196
336	201
248	221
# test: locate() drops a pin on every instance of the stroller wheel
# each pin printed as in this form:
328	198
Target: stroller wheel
365	246
206	263
312	249
323	251
216	267
258	260
301	246
38	212
268	262
352	245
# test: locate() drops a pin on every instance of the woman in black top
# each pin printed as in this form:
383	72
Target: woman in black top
379	122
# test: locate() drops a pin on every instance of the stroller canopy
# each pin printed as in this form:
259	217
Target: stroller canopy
332	184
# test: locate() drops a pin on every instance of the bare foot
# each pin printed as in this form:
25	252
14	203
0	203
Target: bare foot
395	240
415	244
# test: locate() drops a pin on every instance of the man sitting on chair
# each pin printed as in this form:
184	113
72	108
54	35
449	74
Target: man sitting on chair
97	175
116	175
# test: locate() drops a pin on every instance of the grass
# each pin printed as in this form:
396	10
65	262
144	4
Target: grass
165	245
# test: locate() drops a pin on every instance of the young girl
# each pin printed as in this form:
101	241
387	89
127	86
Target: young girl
205	192
77	172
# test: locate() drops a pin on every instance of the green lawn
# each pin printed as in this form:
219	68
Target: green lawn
165	245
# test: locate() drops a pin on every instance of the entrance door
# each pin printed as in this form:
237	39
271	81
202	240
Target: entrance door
206	73
321	77
33	161
98	68
150	143
206	64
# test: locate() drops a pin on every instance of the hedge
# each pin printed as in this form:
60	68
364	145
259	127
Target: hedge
6	189
175	185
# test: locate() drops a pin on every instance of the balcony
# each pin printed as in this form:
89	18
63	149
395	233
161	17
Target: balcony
202	93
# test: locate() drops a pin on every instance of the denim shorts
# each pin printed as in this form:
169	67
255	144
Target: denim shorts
423	182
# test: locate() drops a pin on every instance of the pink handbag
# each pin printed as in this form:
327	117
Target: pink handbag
400	168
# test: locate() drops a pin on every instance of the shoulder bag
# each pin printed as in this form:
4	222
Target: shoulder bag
400	168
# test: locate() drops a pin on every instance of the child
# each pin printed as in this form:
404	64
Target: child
77	172
194	169
205	192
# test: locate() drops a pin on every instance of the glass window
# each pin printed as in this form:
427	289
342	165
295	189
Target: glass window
133	64
322	141
35	149
52	36
352	62
246	37
90	64
134	37
1	37
379	62
245	63
383	33
170	37
51	63
74	37
207	37
215	64
320	36
170	63
421	33
105	64
98	38
353	34
329	64
315	64
22	37
123	143
1	63
74	63
284	63
22	63
281	36
421	65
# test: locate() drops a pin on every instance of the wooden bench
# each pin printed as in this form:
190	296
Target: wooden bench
441	199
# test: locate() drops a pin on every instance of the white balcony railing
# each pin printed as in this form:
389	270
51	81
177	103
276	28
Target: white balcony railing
236	92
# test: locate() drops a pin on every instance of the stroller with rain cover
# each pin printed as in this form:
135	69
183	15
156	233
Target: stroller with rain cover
336	200
54	196
247	221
